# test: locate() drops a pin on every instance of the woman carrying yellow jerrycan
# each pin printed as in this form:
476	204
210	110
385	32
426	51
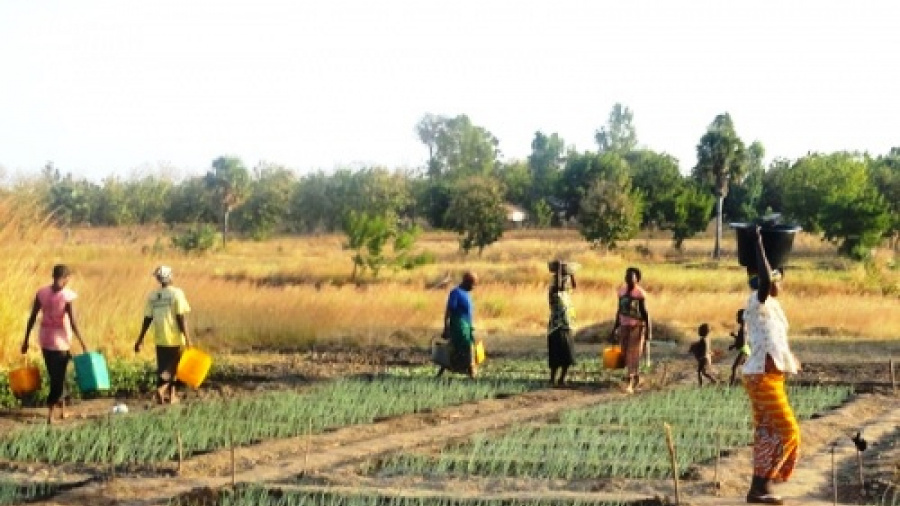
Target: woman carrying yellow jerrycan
166	310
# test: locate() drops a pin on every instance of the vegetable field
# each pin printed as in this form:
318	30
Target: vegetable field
146	438
618	439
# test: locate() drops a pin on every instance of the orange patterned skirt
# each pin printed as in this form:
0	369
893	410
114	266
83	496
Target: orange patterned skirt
631	339
776	436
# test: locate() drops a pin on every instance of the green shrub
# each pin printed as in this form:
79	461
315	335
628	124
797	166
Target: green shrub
199	239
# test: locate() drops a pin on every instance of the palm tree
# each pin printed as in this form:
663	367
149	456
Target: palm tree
720	160
230	182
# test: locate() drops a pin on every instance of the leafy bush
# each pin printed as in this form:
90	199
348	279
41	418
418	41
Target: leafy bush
199	239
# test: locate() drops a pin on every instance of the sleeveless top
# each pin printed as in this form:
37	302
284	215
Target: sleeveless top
629	306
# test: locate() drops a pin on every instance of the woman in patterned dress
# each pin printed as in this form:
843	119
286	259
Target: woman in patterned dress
632	323
776	437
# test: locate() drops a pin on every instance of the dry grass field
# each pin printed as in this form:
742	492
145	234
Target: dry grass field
295	292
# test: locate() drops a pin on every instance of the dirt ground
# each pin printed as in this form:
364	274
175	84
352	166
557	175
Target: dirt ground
336	459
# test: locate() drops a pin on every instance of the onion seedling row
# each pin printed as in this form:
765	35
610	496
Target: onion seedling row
260	496
144	438
18	493
523	369
622	439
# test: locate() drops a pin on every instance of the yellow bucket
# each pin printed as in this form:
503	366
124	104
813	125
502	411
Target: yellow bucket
193	367
479	352
25	381
612	358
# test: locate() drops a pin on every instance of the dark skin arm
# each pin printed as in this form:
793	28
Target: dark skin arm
645	315
71	312
140	340
35	307
764	270
182	326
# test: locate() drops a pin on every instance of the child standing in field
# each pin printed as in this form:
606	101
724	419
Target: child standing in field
55	335
740	344
702	352
166	310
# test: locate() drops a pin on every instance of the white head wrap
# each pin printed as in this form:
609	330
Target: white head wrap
163	274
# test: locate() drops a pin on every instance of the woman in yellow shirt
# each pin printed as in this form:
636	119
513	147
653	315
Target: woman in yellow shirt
166	310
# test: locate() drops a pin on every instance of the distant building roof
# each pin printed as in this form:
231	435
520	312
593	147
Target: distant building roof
515	213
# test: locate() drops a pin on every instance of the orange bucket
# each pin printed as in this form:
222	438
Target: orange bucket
612	358
193	367
25	381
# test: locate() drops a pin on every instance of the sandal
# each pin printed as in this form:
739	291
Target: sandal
764	499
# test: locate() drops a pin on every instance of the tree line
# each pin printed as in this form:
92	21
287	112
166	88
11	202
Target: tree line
609	193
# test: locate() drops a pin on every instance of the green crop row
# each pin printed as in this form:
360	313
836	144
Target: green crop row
18	493
524	369
623	439
259	496
144	438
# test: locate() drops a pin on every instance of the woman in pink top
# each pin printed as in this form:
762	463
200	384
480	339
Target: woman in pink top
632	322
55	334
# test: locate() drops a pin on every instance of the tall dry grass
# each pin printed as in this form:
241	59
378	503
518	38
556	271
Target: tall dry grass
294	292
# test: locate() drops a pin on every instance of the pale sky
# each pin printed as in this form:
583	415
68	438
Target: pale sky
115	87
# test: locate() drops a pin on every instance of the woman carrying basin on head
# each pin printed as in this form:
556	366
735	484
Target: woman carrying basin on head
776	437
560	345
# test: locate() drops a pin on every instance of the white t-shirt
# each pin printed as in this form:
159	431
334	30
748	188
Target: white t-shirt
767	331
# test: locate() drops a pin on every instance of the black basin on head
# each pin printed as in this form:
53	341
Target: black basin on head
778	240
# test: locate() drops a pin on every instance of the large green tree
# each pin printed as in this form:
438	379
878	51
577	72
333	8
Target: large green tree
657	177
582	170
745	196
886	178
619	134
610	212
268	202
834	194
476	212
229	182
458	148
689	212
720	160
545	164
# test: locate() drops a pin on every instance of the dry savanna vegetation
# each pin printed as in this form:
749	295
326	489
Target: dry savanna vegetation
295	292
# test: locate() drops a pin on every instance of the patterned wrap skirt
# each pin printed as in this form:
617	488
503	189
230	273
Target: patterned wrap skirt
776	436
631	339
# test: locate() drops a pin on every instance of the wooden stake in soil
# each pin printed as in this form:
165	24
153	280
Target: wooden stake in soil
231	443
859	466
834	475
180	448
893	377
112	461
674	459
308	442
718	457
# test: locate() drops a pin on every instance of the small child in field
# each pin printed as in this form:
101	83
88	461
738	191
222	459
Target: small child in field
740	344
702	352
